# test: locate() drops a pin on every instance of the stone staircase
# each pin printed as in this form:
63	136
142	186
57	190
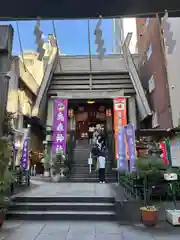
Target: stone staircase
62	208
81	172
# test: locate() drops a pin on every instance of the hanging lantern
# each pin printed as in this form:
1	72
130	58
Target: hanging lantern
108	112
71	113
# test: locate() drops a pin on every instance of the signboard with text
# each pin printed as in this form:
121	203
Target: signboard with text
24	157
120	118
59	125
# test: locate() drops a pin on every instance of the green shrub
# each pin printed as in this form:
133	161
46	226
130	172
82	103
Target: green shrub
6	177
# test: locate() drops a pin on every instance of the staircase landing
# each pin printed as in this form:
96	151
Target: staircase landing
44	189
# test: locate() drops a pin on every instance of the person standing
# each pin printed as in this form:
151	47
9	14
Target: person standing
101	160
101	165
95	135
90	134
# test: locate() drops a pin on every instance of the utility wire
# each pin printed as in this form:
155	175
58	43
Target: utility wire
20	44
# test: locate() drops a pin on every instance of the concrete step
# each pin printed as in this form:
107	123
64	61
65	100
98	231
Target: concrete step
62	208
65	199
88	180
62	215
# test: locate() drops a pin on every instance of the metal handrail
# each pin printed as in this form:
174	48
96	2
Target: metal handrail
133	71
43	85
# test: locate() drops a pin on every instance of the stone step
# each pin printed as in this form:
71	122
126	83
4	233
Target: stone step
90	180
65	199
62	215
62	208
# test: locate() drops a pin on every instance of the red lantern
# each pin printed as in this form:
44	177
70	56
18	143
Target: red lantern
108	112
71	113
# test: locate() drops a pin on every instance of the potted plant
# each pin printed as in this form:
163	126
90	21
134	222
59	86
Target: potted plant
5	176
46	162
58	166
148	169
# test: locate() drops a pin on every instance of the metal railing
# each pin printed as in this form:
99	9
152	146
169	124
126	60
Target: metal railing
142	102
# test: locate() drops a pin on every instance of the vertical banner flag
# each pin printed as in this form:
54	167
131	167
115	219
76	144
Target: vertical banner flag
164	153
168	149
120	118
59	125
130	136
24	157
121	164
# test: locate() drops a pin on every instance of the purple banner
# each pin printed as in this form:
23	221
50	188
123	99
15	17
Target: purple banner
121	164
59	126
130	136
24	157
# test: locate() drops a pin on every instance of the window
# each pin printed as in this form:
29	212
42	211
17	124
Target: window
155	123
147	21
151	84
149	52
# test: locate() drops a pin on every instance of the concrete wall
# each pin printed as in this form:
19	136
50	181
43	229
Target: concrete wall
12	102
6	39
173	71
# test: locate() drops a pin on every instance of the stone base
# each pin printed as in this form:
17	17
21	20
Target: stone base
56	178
46	174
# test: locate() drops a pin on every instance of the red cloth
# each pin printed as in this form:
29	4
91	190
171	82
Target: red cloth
164	153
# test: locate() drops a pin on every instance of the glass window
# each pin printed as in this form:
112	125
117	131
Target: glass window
151	84
147	21
149	52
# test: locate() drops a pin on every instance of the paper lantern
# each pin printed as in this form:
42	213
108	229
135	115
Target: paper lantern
108	112
71	113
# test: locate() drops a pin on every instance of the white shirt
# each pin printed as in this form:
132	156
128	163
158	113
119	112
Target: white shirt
91	129
102	162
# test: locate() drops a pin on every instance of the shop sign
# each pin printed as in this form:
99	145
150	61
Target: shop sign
59	126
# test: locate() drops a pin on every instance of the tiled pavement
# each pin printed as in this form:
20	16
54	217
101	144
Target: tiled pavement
64	230
80	230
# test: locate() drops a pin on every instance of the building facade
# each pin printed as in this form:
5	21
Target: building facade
36	86
172	56
6	41
121	27
153	71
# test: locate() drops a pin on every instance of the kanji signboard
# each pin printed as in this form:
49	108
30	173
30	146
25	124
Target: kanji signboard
24	157
59	126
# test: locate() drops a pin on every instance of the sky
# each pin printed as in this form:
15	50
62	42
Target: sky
72	35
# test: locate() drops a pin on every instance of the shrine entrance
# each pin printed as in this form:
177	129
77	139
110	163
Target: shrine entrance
89	113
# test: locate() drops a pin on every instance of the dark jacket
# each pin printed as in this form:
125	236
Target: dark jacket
97	151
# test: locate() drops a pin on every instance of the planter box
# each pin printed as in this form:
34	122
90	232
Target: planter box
46	174
173	217
56	178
